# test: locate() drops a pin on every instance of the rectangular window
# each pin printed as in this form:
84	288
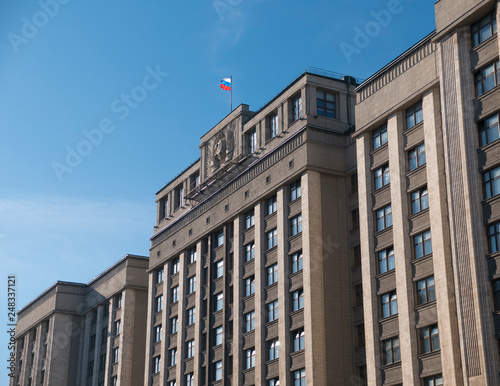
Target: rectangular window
273	348
484	29
118	327
299	377
426	290
488	130
178	196
159	276
114	381
296	225
414	115
272	274
175	294
496	293
219	301
487	78
159	303
379	137
252	141
175	266
250	251
192	255
219	269
435	380
423	244
249	219
219	238
386	260
273	125
250	321
297	107
272	311
382	177
391	352
174	324
272	238
298	340
494	237
419	200
118	299
158	334
92	341
192	285
325	104
272	205
102	362
389	304
191	316
190	349
360	338
104	335
250	358
297	262
90	369
164	208
116	353
273	382
190	379
416	157
295	190
354	219
429	337
384	218
491	181
172	383
173	357
156	364
298	300
250	286
218	371
219	335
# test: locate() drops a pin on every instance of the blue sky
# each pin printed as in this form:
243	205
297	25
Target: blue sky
145	75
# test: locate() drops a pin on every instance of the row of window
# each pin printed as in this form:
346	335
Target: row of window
429	342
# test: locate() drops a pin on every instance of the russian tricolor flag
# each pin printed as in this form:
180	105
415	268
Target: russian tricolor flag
225	84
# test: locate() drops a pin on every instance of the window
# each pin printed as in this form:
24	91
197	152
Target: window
164	208
356	256
273	382
219	335
250	358
423	244
389	304
218	371
435	380
272	274
273	347
250	251
92	341
353	187
298	340
272	205
192	284
175	294
272	238
191	316
190	349
250	321
416	157
90	369
118	303
104	335
419	200
173	357
414	115
325	104
386	260
252	141
219	301
220	238
118	327
484	29
114	381
159	303
178	196
159	276
492	182
102	362
192	255
296	225
354	219
487	78
379	137
488	130
273	125
384	218
358	295
429	337
190	379
426	290
494	237
298	300
249	219
219	269
250	286
299	377
272	311
174	324
172	383
158	334
175	266
297	262
382	177
297	107
360	338
391	352
496	293
295	190
116	352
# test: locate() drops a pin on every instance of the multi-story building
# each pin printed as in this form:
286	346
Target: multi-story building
254	265
86	334
429	165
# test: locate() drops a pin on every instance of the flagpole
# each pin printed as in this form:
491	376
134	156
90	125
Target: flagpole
231	94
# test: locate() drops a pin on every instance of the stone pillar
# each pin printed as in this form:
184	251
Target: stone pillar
198	358
181	332
238	320
260	307
127	318
86	342
37	360
109	342
150	333
98	332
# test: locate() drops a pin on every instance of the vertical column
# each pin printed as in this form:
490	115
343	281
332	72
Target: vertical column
198	358
166	327
59	349
368	261
37	360
402	251
109	342
24	357
125	362
260	309
181	332
95	376
86	342
283	286
238	326
150	332
314	297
